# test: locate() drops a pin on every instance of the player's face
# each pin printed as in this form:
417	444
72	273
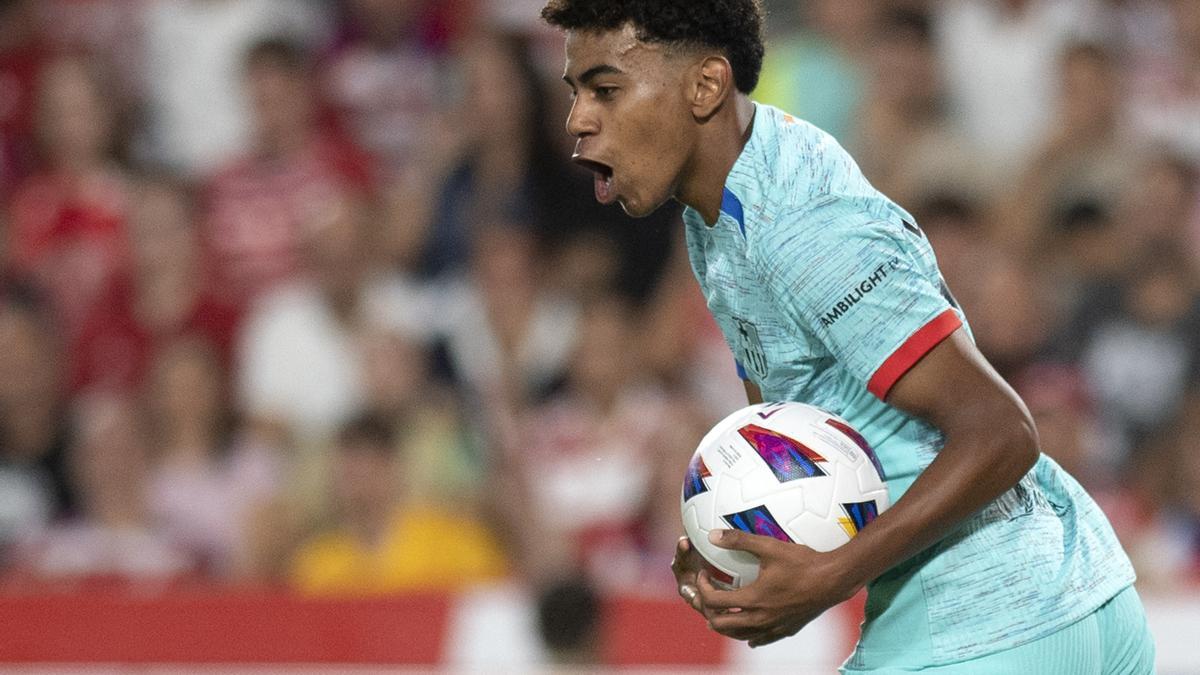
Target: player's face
631	116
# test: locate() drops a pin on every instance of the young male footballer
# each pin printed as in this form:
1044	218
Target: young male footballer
992	559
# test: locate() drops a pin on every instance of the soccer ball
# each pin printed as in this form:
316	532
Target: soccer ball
785	470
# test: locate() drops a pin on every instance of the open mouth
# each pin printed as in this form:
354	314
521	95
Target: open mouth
603	178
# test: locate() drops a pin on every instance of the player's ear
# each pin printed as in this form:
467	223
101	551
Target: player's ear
713	83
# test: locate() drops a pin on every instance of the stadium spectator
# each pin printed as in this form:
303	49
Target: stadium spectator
442	460
167	294
386	80
508	337
1085	155
1156	206
569	616
819	73
998	57
67	222
34	433
488	152
376	542
900	133
200	114
300	367
1165	101
205	478
596	431
1137	339
258	205
112	538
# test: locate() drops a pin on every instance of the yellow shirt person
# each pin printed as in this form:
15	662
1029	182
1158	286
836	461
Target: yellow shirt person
422	549
378	544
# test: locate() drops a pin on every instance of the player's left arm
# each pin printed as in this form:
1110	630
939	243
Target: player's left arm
990	444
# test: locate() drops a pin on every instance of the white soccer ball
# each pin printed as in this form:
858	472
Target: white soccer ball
785	470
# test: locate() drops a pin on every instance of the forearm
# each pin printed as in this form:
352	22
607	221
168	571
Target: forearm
971	471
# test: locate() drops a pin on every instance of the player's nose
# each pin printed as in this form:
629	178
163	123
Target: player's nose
580	122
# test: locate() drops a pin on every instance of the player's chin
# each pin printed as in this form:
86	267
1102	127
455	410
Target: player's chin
639	208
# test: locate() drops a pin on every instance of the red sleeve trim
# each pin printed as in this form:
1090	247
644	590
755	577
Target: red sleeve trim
912	351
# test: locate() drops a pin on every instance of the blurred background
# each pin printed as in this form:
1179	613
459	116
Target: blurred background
302	306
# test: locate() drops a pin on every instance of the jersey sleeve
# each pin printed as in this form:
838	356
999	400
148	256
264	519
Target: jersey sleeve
867	287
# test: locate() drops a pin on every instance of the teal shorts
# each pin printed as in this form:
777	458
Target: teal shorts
1113	640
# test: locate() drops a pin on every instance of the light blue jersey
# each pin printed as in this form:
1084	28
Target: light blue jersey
827	293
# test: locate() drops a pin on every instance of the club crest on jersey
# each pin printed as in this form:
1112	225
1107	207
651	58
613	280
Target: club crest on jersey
750	350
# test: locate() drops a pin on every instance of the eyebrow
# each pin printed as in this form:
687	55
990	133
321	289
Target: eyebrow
594	72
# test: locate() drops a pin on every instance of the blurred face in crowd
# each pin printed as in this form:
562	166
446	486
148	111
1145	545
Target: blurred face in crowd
631	116
109	462
186	390
336	246
603	362
497	95
283	102
1158	201
1089	90
845	21
384	21
160	223
906	71
364	481
1187	22
74	121
29	383
1013	293
503	259
166	254
395	371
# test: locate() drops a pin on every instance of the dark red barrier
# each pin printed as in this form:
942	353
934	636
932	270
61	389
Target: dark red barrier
658	632
201	627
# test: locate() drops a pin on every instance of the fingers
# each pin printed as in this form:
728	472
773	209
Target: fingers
743	541
685	574
738	625
764	639
691	596
714	598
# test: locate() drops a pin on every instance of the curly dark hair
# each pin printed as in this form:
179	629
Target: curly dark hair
732	26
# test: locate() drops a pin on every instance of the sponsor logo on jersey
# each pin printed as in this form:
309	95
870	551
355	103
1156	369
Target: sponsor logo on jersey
860	291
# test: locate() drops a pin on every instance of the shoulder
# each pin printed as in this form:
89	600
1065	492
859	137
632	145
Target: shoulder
795	169
799	161
824	220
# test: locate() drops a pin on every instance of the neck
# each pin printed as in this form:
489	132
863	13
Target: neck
718	149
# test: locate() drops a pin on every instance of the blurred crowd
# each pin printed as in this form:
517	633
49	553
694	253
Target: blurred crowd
306	293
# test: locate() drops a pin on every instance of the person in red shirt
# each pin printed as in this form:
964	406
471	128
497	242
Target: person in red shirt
256	206
166	295
67	221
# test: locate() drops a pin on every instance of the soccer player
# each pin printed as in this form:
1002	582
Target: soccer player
992	559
